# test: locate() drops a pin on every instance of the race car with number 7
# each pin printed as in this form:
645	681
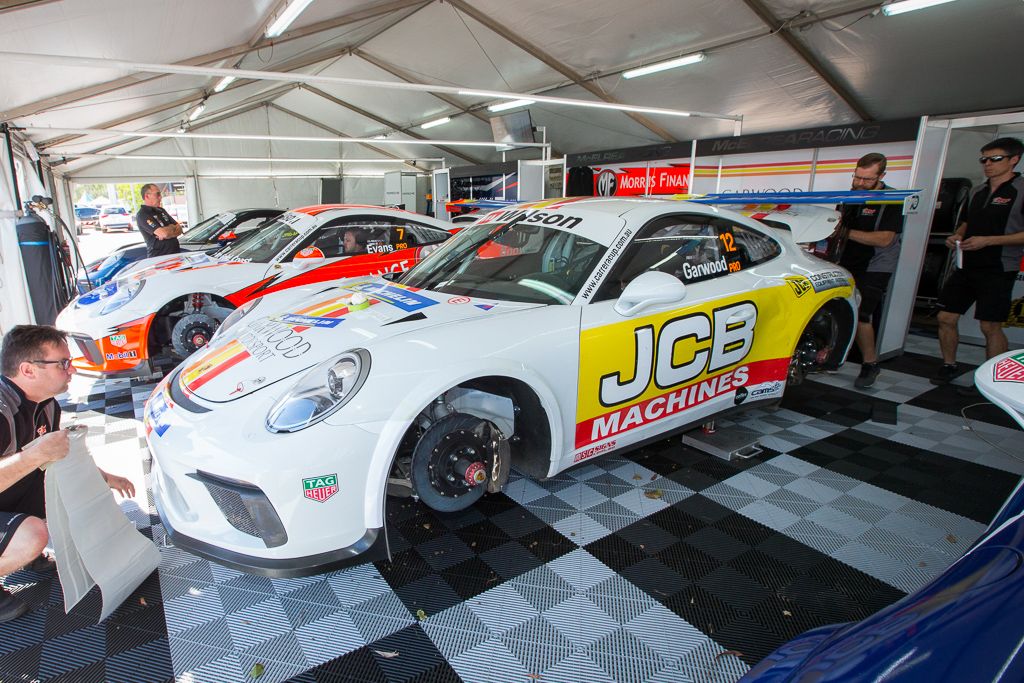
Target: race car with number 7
542	336
167	307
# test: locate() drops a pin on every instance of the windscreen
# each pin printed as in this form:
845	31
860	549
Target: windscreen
207	231
260	246
510	261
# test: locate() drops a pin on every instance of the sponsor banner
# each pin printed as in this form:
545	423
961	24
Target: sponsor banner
830	279
320	488
669	178
638	371
1009	369
399	297
799	284
764	390
640	414
156	413
594	450
307	320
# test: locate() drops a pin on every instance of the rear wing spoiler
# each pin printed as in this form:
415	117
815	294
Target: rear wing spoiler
809	216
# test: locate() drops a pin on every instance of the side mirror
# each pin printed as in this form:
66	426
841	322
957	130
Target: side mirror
649	289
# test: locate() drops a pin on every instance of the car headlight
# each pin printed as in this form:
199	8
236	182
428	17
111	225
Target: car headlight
320	392
123	293
236	315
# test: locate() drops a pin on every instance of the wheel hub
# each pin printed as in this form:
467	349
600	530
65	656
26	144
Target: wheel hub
458	464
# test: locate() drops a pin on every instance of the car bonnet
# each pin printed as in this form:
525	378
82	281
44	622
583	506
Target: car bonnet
359	313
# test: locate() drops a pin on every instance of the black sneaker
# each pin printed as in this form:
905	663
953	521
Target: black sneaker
945	375
11	606
868	375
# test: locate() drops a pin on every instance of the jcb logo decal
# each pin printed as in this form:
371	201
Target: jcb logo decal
635	373
721	340
800	285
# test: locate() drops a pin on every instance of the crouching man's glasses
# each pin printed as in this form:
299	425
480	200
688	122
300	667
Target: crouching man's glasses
994	158
64	363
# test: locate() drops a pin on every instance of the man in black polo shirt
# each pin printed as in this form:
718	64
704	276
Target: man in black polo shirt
156	225
36	366
990	245
871	252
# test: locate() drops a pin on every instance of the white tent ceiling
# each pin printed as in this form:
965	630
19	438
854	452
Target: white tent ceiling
779	64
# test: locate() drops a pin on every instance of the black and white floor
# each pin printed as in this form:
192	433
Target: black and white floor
663	565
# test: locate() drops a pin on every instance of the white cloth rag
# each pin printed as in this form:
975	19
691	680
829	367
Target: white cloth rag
93	540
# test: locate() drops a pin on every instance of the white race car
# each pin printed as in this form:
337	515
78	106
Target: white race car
170	306
544	335
1001	380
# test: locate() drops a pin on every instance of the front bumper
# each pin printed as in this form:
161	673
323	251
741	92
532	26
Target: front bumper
230	491
97	347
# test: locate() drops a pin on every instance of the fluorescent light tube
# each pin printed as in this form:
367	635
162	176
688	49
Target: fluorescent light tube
197	111
223	83
662	66
285	18
909	6
436	122
510	105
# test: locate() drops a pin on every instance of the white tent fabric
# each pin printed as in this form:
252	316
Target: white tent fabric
15	307
780	64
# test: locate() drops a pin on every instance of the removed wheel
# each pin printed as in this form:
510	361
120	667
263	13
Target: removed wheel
816	346
192	332
451	463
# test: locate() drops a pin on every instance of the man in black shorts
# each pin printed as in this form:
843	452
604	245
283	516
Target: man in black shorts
158	229
871	252
990	245
36	366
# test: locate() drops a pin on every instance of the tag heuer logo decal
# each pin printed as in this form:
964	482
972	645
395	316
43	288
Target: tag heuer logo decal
118	340
800	285
320	488
1009	369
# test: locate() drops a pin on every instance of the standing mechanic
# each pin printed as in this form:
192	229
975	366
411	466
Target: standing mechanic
871	253
36	366
156	225
990	245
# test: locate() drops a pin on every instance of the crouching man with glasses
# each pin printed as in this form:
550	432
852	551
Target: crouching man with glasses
990	245
36	366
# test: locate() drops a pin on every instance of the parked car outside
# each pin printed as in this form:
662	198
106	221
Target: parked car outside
115	218
86	217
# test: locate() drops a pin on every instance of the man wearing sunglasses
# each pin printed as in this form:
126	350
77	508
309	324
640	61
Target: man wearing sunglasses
990	245
36	366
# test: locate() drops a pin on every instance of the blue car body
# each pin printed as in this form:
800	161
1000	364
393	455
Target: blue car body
208	235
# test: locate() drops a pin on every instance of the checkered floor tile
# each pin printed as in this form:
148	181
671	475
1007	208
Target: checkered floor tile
660	565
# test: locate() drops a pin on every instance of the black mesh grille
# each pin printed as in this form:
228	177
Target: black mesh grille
233	508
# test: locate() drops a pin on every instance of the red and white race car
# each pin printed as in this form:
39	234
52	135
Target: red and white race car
171	306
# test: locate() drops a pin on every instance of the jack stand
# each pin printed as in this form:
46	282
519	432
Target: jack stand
734	442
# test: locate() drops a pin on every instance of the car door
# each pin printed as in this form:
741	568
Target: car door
669	364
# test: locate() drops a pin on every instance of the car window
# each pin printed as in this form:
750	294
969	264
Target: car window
351	236
511	261
261	246
752	247
691	248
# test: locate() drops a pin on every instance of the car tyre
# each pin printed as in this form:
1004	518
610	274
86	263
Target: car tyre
192	332
451	463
